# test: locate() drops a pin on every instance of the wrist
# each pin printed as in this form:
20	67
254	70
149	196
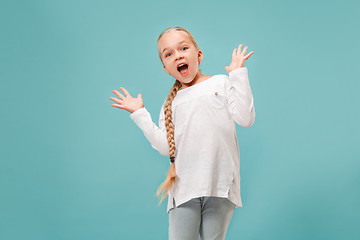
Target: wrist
136	109
240	70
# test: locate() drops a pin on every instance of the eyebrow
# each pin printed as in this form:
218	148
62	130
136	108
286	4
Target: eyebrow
178	44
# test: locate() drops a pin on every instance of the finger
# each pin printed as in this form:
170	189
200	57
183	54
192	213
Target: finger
244	50
234	53
247	56
125	91
239	49
117	105
116	100
118	94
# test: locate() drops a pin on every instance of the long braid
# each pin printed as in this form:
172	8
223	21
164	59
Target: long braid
170	179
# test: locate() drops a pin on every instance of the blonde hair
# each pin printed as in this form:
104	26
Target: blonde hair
170	179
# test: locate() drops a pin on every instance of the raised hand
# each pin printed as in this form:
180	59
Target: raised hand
238	58
127	103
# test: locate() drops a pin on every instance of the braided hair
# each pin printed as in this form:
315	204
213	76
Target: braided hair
170	179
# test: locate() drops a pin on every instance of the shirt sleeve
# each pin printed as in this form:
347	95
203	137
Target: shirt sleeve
239	97
154	134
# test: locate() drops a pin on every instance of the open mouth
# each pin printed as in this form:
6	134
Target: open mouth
183	69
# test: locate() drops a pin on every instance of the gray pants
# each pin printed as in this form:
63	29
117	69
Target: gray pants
202	218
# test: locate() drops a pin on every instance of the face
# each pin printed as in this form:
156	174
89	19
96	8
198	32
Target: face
176	48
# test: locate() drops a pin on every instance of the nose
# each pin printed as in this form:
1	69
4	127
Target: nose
178	55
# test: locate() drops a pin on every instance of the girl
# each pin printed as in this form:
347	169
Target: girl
197	130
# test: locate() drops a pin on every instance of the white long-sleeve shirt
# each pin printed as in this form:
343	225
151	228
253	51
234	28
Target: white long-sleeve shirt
207	155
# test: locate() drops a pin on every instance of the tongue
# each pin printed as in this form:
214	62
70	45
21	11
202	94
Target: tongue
184	71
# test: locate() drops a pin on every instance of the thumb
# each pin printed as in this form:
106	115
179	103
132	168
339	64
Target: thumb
139	95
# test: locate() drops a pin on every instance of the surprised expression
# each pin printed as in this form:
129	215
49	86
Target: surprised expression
179	56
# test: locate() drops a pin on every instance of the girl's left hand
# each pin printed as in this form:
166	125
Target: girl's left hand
238	58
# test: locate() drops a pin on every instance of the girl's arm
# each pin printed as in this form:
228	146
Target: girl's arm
239	95
155	135
142	118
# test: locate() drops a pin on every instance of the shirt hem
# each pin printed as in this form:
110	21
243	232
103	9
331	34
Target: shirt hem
225	194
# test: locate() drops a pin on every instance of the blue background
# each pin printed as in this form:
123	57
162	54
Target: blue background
73	167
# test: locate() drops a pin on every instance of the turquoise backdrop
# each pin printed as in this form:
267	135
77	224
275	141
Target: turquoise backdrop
73	167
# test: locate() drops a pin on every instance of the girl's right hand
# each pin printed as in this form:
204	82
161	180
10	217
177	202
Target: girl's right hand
128	103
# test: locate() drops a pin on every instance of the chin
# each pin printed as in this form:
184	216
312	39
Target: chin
187	81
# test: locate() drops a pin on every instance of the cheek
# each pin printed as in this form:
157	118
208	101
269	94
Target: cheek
195	62
166	64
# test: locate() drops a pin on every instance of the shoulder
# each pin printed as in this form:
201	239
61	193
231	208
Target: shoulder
221	76
220	79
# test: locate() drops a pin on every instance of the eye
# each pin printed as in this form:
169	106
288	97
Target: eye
184	47
167	54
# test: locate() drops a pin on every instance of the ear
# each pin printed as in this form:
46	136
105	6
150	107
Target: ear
165	69
200	56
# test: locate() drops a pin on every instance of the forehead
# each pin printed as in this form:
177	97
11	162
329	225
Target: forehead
172	39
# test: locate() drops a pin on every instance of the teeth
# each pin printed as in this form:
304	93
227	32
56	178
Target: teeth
181	65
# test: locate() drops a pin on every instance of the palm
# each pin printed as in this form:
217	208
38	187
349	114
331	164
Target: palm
238	58
127	102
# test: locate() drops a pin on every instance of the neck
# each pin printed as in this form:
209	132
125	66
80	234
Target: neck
199	77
